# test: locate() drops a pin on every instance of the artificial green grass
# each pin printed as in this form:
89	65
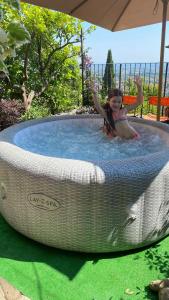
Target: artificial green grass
44	273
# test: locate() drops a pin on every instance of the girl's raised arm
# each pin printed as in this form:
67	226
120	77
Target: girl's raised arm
139	99
97	105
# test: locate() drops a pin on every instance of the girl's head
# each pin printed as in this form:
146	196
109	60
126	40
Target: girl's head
115	98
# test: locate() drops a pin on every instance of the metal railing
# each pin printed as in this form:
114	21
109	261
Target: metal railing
125	71
122	78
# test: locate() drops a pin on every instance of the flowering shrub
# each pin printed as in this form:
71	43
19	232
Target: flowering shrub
87	61
87	95
10	112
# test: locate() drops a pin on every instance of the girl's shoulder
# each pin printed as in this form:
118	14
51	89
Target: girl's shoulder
123	109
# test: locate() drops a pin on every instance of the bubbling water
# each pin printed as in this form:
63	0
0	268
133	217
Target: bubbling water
84	140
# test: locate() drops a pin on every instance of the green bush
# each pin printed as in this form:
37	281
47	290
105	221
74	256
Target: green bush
61	98
35	112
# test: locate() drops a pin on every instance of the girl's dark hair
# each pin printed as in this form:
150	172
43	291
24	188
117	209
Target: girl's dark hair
114	93
108	110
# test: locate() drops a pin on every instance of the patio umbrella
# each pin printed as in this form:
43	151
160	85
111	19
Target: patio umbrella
117	15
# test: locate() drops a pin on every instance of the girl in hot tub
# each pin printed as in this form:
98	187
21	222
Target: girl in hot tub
115	115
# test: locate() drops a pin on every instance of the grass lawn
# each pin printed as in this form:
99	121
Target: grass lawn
44	273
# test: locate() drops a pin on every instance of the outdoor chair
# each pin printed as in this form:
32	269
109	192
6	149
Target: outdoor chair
130	100
153	101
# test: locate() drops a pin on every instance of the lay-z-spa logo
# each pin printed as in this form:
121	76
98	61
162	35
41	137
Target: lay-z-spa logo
43	202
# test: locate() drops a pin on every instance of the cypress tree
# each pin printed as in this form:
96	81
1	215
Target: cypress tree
109	78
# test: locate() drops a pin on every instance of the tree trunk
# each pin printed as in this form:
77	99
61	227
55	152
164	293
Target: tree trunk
27	98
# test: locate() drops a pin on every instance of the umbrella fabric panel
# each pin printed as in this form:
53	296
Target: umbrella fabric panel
113	15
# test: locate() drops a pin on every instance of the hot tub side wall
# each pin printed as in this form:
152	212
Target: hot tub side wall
113	216
126	209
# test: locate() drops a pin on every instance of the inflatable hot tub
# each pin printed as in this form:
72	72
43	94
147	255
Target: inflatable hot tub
92	204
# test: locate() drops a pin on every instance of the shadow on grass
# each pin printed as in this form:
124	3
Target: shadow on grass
149	295
157	260
145	294
18	247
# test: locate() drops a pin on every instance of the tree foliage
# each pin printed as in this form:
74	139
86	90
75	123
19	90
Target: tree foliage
108	78
49	61
13	33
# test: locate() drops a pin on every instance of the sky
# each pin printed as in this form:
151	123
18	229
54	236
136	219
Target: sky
128	46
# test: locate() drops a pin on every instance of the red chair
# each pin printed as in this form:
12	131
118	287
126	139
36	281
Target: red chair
153	100
128	100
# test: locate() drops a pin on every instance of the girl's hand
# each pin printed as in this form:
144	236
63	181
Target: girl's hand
138	81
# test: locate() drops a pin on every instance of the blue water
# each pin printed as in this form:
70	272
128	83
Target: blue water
84	140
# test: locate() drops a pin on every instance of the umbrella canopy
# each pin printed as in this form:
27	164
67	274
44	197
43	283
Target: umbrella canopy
116	15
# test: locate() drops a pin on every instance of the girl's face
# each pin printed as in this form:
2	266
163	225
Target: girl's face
115	103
